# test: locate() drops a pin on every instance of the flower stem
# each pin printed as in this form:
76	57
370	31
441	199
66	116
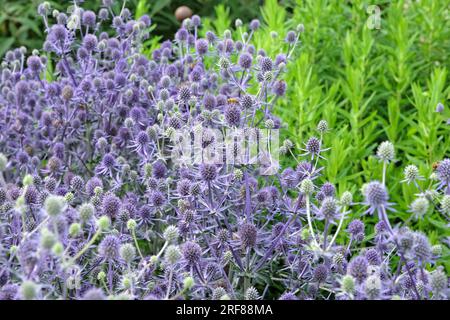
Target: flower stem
308	215
91	242
341	222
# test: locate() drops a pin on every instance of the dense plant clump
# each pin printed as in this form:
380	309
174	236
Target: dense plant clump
94	206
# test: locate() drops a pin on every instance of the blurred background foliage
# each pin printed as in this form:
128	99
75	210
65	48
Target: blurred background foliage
370	85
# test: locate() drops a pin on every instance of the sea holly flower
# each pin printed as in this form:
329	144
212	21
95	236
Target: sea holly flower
443	174
98	193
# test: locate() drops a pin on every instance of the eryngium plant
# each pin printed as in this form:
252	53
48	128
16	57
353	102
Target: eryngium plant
94	207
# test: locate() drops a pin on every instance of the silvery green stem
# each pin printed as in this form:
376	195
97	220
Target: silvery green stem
384	172
91	242
133	233
169	285
341	222
308	215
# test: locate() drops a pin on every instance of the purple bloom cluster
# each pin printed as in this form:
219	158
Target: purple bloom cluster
92	206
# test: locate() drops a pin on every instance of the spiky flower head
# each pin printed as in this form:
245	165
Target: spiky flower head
252	294
94	294
77	183
247	101
419	207
307	186
131	224
192	253
385	151
248	234
172	254
109	247
254	24
357	268
322	126
54	205
373	287
443	172
86	211
328	208
348	284
127	252
355	227
103	222
313	146
48	239
346	198
218	293
438	281
373	257
288	296
445	204
421	247
208	171
202	46
188	283
291	37
111	205
375	194
233	115
436	250
184	94
224	63
28	290
411	173
338	258
74	229
245	60
320	273
171	233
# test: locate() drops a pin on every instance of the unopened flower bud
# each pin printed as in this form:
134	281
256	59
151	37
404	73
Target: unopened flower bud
103	223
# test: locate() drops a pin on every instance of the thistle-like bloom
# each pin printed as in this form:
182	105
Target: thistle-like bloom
208	171
419	207
357	268
411	174
313	147
107	166
375	196
248	235
245	61
355	228
386	152
159	170
421	248
328	209
443	173
192	253
111	205
109	248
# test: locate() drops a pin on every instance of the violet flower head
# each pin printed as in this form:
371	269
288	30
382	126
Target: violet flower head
375	196
443	173
109	248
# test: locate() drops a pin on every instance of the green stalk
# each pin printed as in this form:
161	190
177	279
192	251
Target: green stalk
91	242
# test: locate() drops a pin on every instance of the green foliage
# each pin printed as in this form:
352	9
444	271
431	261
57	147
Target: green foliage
19	26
